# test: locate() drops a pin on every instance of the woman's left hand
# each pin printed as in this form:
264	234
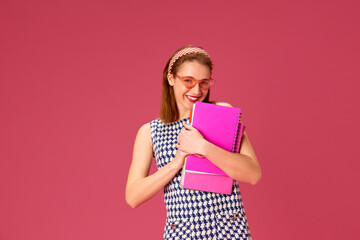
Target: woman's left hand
190	140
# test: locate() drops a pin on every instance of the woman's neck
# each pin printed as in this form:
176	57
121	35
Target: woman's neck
184	114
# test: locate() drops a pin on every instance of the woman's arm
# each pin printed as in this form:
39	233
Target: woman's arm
242	166
140	187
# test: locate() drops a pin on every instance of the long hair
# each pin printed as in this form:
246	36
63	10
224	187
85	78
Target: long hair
168	110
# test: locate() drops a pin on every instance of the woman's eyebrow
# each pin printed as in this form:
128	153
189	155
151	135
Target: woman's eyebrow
196	78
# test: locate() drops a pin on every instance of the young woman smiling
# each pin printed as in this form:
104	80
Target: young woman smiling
191	214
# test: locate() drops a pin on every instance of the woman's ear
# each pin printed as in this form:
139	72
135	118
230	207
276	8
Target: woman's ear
171	79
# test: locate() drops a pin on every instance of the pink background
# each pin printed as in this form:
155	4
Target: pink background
78	78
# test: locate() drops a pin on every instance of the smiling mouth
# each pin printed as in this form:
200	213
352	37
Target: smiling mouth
192	99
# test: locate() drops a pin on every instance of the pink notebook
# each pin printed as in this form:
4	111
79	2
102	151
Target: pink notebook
221	126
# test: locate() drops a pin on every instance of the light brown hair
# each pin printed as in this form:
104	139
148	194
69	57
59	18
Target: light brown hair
168	110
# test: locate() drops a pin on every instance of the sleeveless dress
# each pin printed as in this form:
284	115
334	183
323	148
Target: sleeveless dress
193	214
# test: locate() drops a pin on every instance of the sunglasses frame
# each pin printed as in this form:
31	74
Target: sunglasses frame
211	81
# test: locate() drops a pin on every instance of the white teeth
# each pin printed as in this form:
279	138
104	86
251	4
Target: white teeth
192	98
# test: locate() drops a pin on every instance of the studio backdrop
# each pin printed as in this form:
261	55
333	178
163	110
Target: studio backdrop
78	79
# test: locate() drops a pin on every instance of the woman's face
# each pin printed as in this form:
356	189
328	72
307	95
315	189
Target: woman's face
185	98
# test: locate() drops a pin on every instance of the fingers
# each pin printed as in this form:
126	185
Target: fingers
178	146
184	133
181	133
188	127
178	138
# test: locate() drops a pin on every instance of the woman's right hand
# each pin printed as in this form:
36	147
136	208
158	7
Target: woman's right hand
179	158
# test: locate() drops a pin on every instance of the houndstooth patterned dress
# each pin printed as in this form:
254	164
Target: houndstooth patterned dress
195	214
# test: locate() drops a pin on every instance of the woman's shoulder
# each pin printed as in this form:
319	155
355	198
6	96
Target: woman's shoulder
144	133
145	129
223	104
145	126
143	137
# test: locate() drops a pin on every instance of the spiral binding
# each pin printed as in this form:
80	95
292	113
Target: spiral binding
236	141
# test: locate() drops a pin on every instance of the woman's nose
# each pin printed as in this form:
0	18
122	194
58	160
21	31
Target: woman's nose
196	88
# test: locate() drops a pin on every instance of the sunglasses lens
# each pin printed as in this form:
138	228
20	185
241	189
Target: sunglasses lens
189	82
205	84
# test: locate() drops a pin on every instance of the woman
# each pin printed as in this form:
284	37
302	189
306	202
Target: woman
191	214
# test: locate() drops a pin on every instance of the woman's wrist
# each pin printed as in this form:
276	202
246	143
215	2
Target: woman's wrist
177	162
204	146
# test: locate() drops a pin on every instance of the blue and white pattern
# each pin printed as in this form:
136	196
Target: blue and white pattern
195	214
